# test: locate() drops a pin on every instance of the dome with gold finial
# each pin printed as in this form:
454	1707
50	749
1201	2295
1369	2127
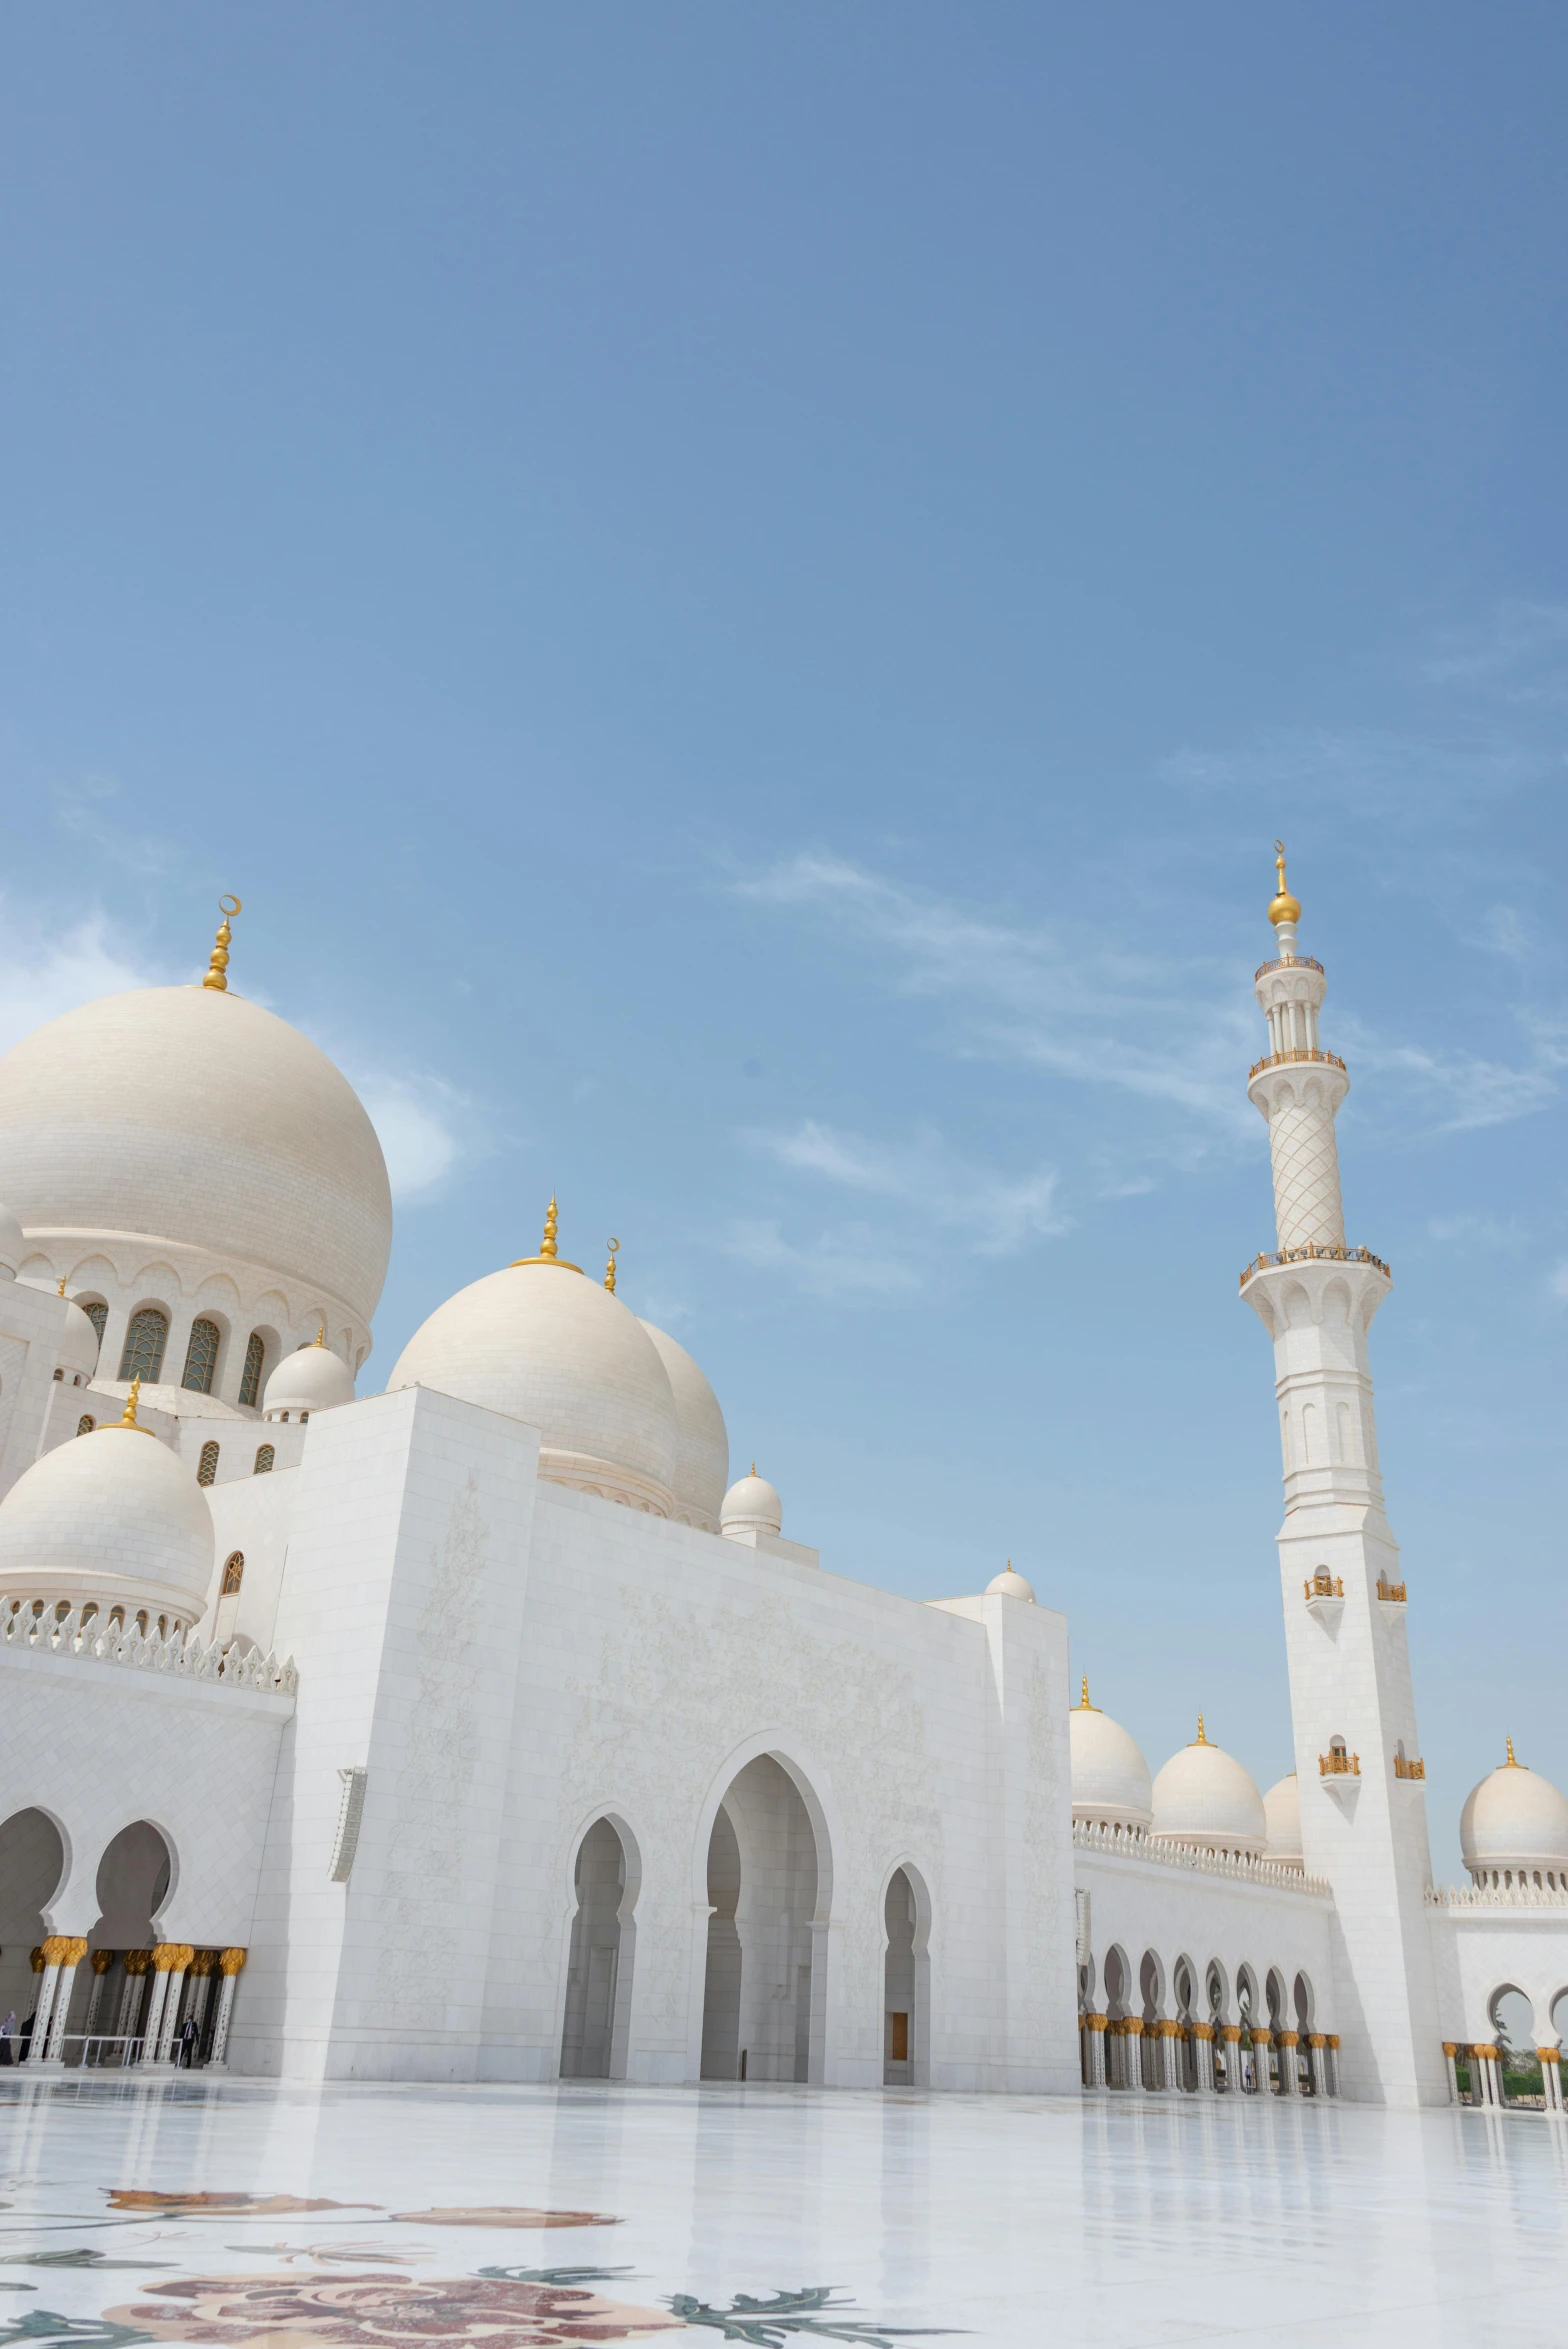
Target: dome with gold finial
312	1378
541	1342
1203	1796
1008	1585
1110	1778
114	1518
1514	1829
188	1127
751	1506
1283	907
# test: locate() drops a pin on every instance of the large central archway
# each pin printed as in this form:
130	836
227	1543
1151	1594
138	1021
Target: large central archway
762	1995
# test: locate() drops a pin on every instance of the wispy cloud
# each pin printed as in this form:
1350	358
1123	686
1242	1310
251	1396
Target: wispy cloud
976	1209
852	1263
1056	997
1522	657
1375	774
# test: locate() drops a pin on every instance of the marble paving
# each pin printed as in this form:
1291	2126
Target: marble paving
232	2211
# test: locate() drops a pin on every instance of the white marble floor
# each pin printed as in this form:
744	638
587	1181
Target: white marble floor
1006	2220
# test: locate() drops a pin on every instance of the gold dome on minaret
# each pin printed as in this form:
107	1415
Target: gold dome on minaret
1284	907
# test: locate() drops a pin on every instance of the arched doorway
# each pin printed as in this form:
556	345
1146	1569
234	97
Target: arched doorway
593	2034
906	1981
133	1884
32	1862
763	1875
1513	2033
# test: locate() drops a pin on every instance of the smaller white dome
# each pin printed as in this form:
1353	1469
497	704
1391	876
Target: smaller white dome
13	1245
1282	1816
1203	1796
114	1517
1515	1821
312	1378
752	1506
1008	1585
77	1347
1110	1775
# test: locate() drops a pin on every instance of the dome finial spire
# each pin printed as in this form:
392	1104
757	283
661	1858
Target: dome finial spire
1284	908
609	1270
1200	1739
1083	1705
1510	1764
551	1219
131	1401
218	969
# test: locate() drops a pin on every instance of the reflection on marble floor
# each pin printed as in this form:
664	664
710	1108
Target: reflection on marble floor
381	2218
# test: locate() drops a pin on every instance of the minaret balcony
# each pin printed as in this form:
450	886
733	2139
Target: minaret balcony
1287	1059
1288	962
1405	1767
1336	1763
1324	1596
1392	1594
1313	1253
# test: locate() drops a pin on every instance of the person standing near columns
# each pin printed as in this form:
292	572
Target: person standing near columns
230	1962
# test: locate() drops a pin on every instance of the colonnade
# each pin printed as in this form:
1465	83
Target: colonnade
1171	2057
149	2012
1483	2059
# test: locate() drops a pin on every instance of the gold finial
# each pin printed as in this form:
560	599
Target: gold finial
131	1401
218	969
1511	1764
1285	908
1083	1705
547	1253
321	1333
609	1270
754	1468
60	1291
1200	1739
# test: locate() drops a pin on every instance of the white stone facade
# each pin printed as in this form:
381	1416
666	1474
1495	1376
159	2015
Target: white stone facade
493	1739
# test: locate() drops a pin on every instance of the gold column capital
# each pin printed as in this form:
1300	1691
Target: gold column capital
138	1961
205	1962
1333	2039
1316	2039
1096	2022
1290	2039
1203	2030
1230	2031
64	1949
172	1957
1260	2038
231	1961
103	1959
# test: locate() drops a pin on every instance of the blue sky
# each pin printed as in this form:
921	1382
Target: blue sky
742	593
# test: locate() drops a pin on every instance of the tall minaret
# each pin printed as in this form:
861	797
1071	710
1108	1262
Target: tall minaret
1358	1765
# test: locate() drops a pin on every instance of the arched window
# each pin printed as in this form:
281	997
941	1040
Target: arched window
233	1569
201	1357
207	1473
250	1384
97	1313
144	1344
84	1425
264	1460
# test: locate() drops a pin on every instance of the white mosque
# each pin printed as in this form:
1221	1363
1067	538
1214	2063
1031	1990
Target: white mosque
482	1729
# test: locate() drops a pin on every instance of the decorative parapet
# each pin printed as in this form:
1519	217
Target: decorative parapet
1337	1764
1288	962
1495	1896
182	1654
1392	1594
1301	1052
1408	1768
1312	1255
1128	1843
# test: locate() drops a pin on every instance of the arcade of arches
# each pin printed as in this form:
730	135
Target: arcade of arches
116	1995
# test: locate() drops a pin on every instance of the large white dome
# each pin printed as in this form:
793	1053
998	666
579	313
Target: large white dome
1282	1816
187	1115
114	1517
1203	1796
1110	1775
1515	1823
702	1445
546	1345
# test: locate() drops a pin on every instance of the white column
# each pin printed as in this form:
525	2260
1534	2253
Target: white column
1317	2063
177	1956
1203	2057
1170	2056
137	1963
102	1960
1289	2077
1094	2026
152	2029
1331	2053
1551	2077
1132	2045
1260	2062
1230	2039
229	1965
72	1949
43	2012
